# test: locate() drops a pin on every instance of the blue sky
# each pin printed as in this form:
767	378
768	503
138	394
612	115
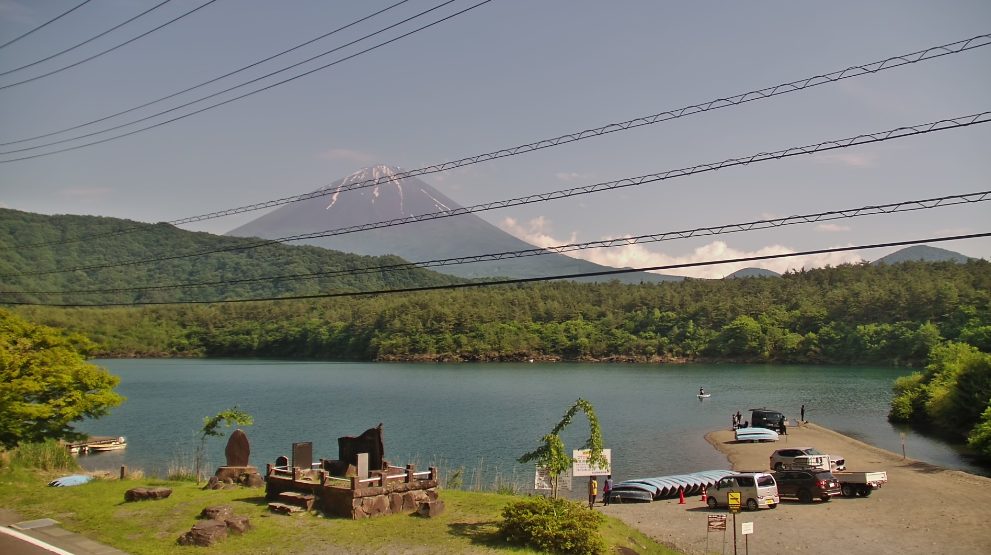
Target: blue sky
508	73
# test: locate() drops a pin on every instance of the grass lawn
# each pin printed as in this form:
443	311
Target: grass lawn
97	510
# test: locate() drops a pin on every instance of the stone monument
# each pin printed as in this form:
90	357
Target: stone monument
237	470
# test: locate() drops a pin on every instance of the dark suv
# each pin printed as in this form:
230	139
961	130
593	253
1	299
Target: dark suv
770	419
807	485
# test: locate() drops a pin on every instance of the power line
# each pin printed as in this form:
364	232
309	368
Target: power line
904	206
527	280
45	24
215	79
87	41
897	133
767	92
239	97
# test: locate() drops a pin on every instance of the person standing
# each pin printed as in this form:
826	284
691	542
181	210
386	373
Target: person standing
606	488
593	486
803	413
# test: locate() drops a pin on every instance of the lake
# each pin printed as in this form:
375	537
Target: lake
484	416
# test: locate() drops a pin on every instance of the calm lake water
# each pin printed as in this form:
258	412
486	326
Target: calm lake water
484	416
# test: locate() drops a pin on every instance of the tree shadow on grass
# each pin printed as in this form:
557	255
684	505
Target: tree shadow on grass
479	533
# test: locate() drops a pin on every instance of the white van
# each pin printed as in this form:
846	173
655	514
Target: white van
757	490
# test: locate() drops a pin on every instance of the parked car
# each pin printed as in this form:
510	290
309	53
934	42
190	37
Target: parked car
806	485
863	484
770	419
804	457
757	489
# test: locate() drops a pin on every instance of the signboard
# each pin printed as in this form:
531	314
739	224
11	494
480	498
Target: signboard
733	499
542	480
717	523
580	466
747	528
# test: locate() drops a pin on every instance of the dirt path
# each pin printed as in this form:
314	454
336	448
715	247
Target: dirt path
923	509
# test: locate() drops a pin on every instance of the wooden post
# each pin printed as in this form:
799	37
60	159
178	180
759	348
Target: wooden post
433	473
268	469
410	471
355	483
123	472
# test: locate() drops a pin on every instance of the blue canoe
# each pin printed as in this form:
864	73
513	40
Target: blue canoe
667	486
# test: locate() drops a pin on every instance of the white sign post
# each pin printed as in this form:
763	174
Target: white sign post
746	528
580	467
542	479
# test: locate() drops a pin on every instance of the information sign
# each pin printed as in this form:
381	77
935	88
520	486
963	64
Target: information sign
747	528
717	523
733	499
542	480
580	467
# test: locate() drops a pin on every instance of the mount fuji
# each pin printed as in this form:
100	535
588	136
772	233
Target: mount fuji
450	237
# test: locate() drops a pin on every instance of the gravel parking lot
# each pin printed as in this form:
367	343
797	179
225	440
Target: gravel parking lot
923	509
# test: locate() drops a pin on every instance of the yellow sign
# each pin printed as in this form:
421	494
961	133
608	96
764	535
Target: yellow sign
733	500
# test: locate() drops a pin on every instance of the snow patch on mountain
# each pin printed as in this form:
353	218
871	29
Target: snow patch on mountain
380	175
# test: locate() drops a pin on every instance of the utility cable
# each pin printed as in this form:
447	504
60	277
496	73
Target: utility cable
904	206
239	97
767	92
45	24
517	281
203	84
897	133
87	41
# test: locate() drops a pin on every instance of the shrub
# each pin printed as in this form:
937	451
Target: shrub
46	455
555	525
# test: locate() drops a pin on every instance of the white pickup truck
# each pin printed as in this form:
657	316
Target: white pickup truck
860	483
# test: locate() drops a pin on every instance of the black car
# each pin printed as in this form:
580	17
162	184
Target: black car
770	419
807	485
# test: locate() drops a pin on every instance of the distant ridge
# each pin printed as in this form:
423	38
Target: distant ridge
464	235
924	253
752	272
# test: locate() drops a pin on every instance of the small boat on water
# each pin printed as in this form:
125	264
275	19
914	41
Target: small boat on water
98	444
756	434
704	395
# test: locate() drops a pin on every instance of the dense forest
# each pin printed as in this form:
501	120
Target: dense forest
851	314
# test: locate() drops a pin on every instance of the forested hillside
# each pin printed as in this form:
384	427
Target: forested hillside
852	314
33	270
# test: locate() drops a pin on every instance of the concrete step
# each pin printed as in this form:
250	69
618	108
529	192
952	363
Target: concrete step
304	500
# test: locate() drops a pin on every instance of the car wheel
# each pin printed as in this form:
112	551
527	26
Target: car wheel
752	504
778	467
711	502
805	496
772	506
825	498
848	490
864	491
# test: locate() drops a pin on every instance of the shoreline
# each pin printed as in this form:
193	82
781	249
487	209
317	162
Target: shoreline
923	509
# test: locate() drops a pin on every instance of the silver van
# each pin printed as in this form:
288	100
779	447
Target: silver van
757	490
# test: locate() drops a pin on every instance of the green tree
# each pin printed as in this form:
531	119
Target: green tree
46	384
552	455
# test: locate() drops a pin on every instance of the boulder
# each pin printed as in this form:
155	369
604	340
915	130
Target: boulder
431	508
205	533
142	494
217	512
238	524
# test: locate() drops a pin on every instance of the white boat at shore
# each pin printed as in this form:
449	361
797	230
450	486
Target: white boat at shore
98	445
756	434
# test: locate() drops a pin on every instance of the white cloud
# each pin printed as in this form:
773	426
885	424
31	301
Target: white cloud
569	177
536	231
348	154
849	159
833	228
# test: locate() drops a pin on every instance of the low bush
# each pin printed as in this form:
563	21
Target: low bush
555	525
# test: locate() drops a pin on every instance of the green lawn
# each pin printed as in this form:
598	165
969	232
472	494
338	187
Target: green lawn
98	511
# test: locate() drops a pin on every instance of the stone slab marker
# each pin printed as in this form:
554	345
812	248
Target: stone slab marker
362	466
302	455
238	449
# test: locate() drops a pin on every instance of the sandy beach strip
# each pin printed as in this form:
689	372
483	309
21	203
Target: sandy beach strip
923	509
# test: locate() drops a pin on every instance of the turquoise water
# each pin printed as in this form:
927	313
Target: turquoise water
484	416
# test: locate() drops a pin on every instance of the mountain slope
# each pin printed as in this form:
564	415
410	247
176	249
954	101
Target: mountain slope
924	253
33	269
464	235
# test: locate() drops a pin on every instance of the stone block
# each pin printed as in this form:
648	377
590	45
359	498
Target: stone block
238	449
205	533
238	524
142	494
217	512
431	508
